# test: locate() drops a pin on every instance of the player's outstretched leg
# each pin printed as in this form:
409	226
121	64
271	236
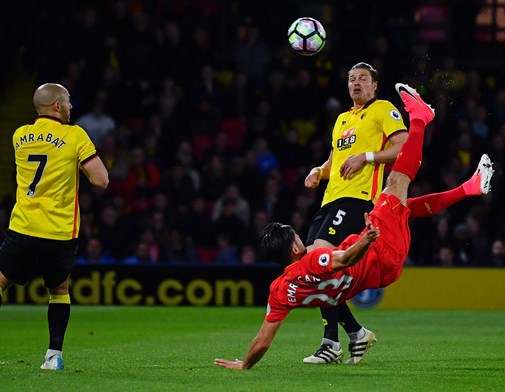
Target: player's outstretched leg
411	154
431	204
414	104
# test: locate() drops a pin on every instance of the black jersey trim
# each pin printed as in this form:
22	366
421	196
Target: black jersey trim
88	159
51	118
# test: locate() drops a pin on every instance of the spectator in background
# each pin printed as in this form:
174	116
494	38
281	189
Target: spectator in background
178	183
208	101
251	52
264	123
227	249
299	223
96	123
93	253
274	201
265	158
214	177
197	224
479	241
241	204
137	52
173	121
148	236
248	177
114	232
142	181
230	223
497	254
248	255
157	221
141	255
179	248
171	40
445	257
276	94
115	160
480	127
239	97
304	90
220	146
184	156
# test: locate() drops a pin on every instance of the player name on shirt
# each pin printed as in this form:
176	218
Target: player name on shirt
328	291
48	138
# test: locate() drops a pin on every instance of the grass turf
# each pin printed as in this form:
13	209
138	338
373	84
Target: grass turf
173	348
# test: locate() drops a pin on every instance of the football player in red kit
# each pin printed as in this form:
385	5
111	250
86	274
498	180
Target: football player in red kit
324	277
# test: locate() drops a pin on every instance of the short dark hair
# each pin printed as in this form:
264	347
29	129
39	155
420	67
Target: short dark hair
373	72
276	241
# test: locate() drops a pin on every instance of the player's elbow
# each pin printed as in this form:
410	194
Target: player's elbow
101	182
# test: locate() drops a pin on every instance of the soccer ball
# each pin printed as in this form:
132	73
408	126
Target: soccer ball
306	36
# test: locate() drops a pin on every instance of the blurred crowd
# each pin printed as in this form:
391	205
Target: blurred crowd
208	123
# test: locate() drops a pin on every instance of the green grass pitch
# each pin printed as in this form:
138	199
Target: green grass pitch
173	348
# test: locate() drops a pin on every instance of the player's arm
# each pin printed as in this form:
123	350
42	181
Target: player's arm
389	154
319	173
356	162
259	346
341	259
96	172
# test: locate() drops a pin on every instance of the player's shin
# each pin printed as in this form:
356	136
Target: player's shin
58	314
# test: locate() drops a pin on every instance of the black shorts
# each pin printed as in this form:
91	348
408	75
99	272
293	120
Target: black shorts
338	219
23	256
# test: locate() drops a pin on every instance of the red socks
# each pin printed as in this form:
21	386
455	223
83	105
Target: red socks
411	155
428	205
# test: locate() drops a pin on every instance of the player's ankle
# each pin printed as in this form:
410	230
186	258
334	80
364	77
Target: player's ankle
334	344
472	186
360	334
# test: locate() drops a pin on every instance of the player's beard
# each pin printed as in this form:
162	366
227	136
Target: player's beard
65	115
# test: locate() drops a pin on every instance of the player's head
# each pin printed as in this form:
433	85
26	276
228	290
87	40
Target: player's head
362	82
276	242
373	72
54	100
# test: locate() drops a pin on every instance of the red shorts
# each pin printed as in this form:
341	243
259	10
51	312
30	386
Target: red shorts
392	246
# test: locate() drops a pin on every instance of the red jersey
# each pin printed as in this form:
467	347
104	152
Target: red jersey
311	282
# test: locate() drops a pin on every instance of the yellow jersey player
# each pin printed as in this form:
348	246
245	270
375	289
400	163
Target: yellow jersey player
44	223
365	138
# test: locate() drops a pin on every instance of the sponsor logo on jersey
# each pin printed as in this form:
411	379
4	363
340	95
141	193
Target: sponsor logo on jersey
347	139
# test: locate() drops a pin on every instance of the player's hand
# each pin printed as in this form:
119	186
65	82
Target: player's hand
351	166
372	232
314	177
237	364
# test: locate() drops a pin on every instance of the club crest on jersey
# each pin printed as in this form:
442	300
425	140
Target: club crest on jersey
324	260
395	114
347	139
